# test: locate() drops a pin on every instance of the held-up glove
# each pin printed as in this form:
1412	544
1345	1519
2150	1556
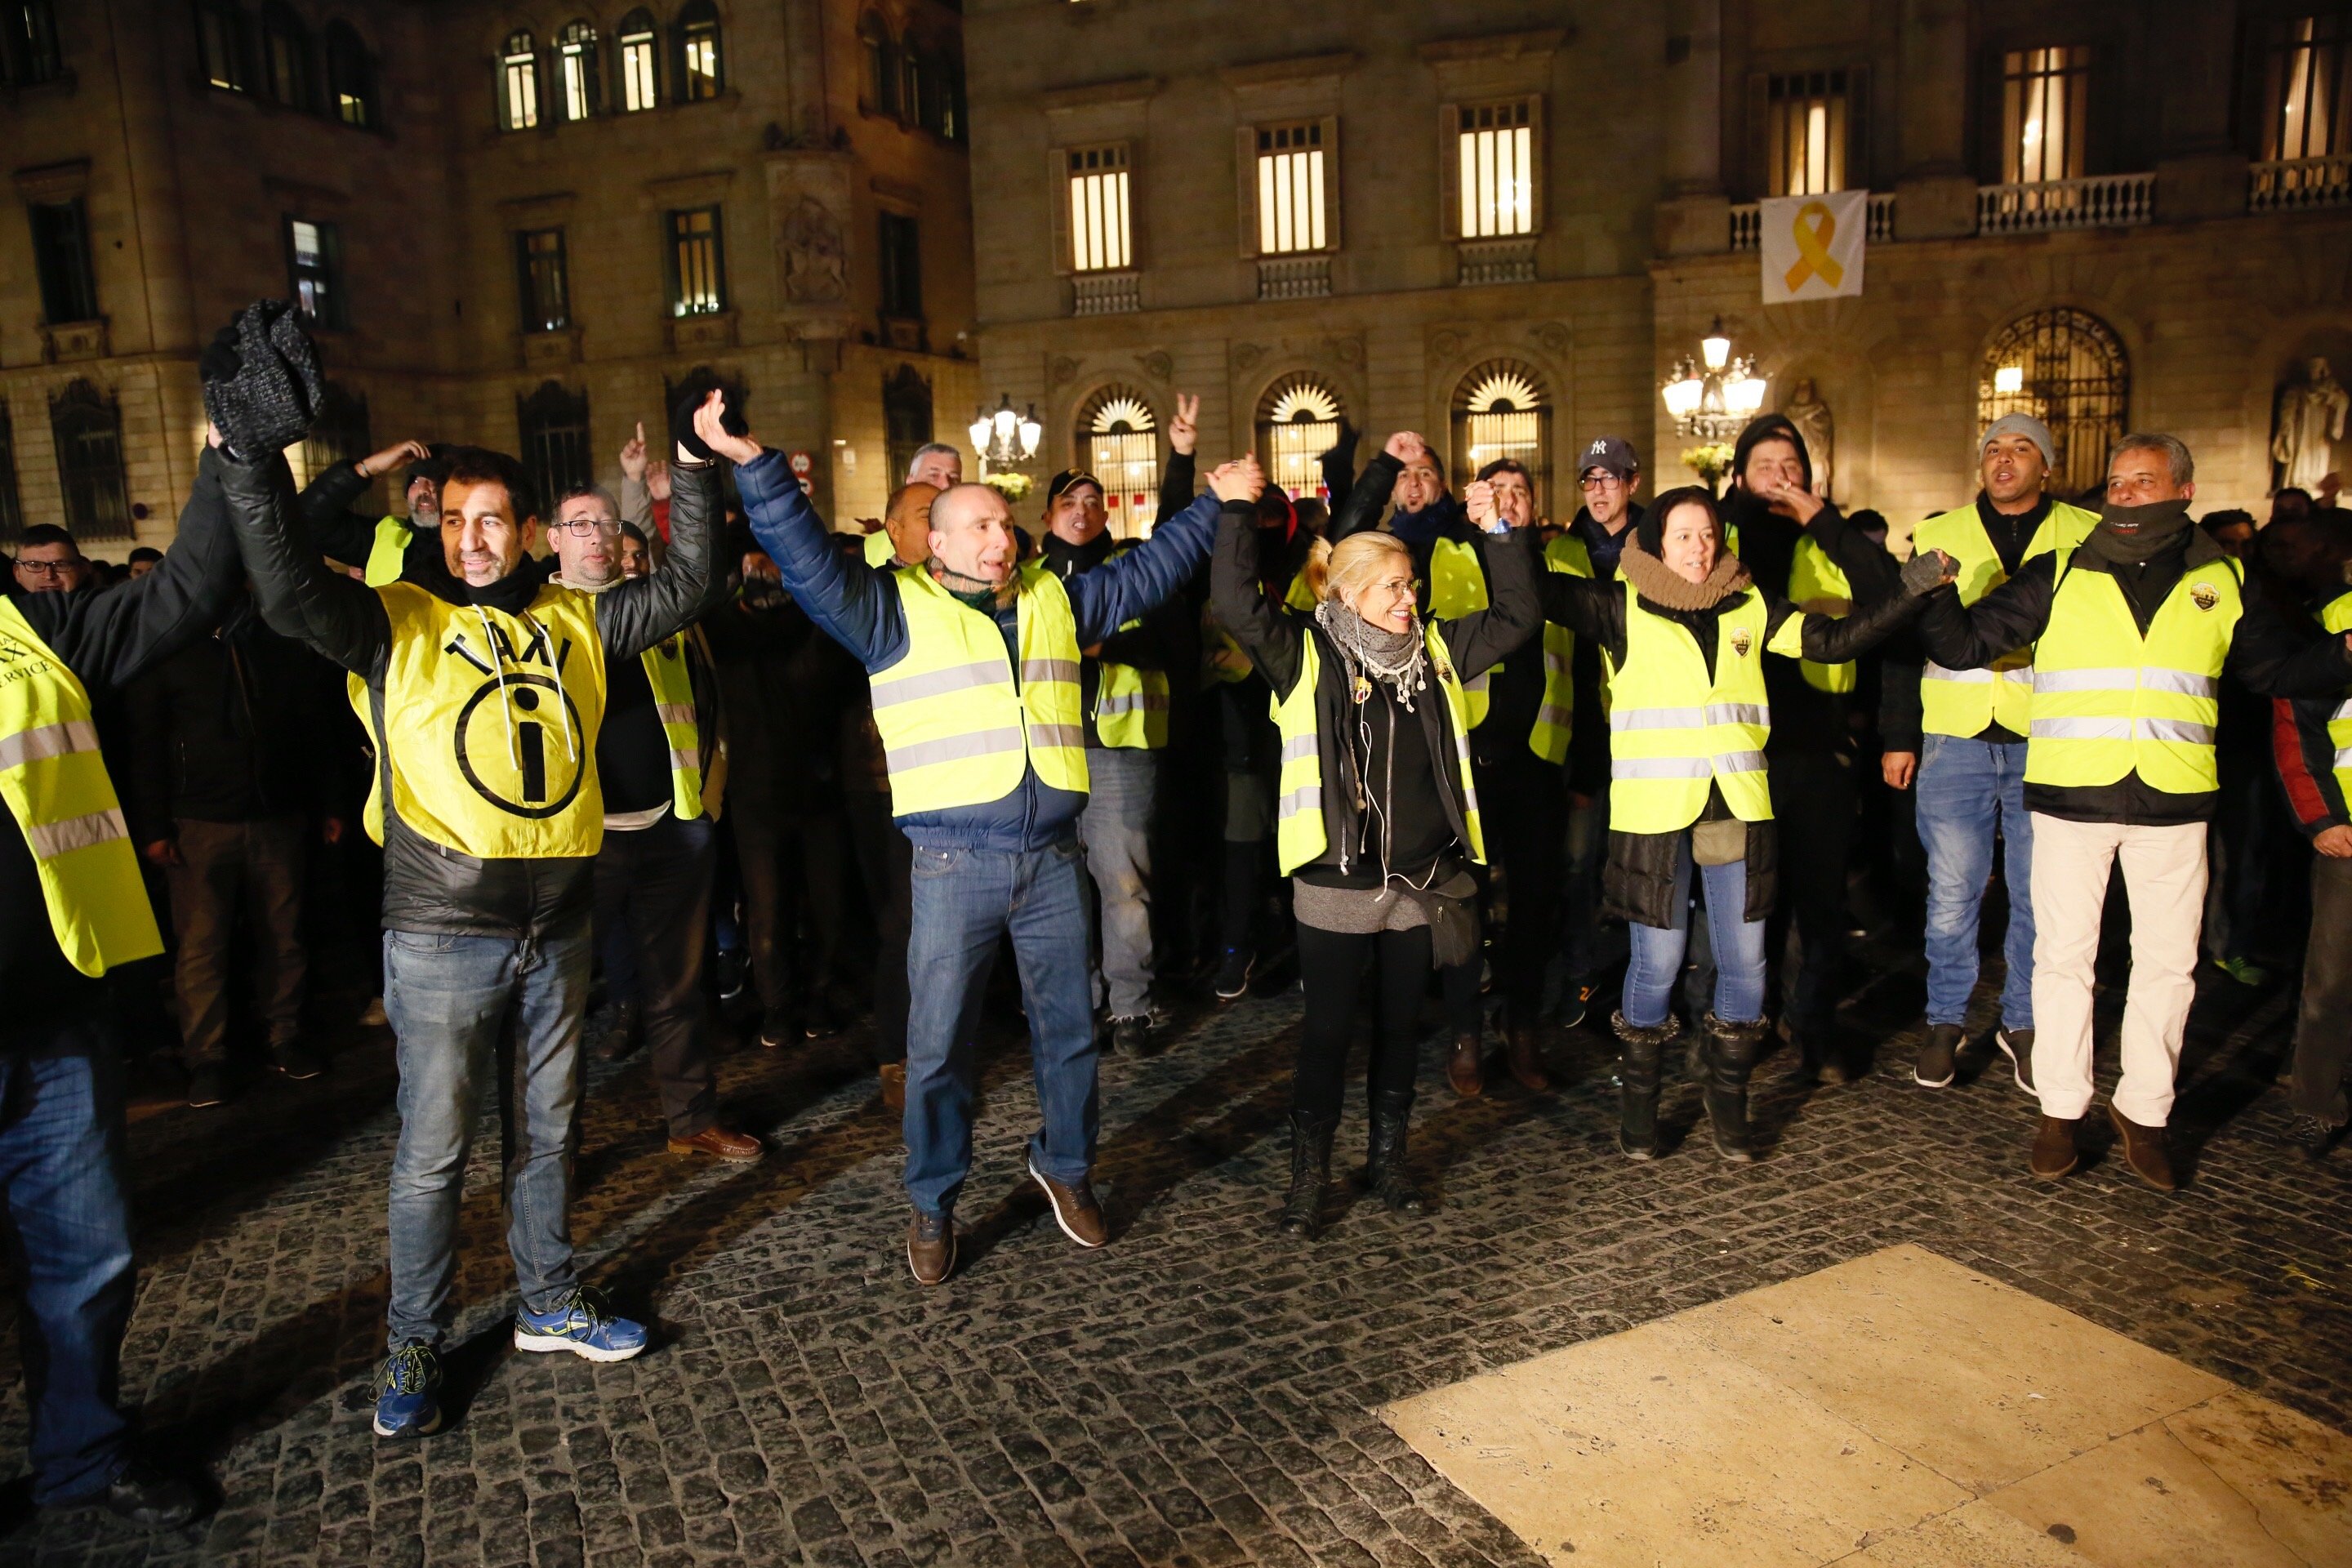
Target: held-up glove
689	395
261	380
1927	571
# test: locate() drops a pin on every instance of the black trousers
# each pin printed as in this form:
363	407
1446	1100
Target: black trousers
795	875
224	867
1812	801
1331	964
885	861
2323	1034
1523	801
654	884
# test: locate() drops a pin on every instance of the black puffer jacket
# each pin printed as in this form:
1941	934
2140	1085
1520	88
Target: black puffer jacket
430	890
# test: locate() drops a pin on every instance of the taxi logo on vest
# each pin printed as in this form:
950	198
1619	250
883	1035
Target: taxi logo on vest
520	745
2203	596
1739	642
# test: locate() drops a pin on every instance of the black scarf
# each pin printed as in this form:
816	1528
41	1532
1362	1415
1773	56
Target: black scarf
2135	535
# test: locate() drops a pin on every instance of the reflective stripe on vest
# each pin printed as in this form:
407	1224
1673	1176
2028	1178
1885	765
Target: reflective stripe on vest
1818	587
490	722
1131	702
387	554
958	729
55	782
2337	618
671	675
1674	729
2095	720
1555	717
1962	702
1300	833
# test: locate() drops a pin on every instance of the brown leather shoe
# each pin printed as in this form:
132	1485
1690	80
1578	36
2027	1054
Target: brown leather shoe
1464	1068
736	1148
1526	1062
2144	1151
2054	1154
930	1246
1074	1210
894	1087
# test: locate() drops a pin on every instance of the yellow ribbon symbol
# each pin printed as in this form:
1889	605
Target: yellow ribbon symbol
1813	258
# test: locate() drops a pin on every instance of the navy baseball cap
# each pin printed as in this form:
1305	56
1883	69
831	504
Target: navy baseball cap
1610	453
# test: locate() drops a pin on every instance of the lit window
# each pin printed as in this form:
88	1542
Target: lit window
697	280
314	268
519	74
698	45
1808	117
2303	113
546	285
1497	154
2067	369
218	41
2044	95
1297	423
1290	188
1100	238
351	76
638	51
576	54
62	261
1119	437
1500	411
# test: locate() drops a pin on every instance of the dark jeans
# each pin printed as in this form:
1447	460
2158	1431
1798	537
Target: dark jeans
2323	1034
652	897
794	867
1331	964
225	866
886	860
1812	800
1523	801
68	1236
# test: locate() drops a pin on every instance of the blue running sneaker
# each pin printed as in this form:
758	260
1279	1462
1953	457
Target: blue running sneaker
581	1324
408	1393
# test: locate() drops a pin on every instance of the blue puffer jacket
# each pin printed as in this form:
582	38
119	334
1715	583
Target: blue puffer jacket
858	608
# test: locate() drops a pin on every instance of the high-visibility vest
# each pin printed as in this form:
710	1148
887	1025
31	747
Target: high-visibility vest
1556	717
957	728
1131	702
1963	701
2109	702
2337	618
485	741
1457	587
671	675
1818	587
1300	595
1675	729
1300	835
389	551
57	787
879	550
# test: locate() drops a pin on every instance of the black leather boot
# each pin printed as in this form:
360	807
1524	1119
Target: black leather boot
1385	1172
1310	1172
1731	1052
1639	1068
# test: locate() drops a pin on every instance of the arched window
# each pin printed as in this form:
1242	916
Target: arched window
518	81
87	430
640	84
340	432
350	75
220	45
882	74
697	51
1119	442
28	44
575	56
553	423
1298	422
905	416
285	57
1500	411
2067	369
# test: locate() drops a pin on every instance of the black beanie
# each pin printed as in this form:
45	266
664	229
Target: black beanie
1770	427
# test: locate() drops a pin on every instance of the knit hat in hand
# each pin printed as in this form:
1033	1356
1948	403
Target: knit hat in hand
261	378
689	395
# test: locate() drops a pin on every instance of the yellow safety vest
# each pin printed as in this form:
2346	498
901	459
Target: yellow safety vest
1674	729
1300	595
57	787
670	675
388	552
1556	719
2337	618
1300	835
958	729
1963	701
1131	702
879	550
1457	587
2109	702
1818	587
487	739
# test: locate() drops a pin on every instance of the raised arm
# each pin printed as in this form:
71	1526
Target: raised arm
1368	495
857	605
633	616
1269	634
299	597
1177	479
1147	576
1484	638
2013	615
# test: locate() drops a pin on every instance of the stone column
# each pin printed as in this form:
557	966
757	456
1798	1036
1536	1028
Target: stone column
2199	174
1696	217
1936	195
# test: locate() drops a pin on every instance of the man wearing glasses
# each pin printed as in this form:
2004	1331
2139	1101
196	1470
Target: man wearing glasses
49	562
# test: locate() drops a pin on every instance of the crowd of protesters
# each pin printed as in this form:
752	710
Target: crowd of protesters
683	765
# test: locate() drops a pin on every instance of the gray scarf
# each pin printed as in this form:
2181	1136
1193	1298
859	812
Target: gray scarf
1399	658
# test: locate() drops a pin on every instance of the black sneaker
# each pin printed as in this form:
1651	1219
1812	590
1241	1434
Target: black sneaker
731	973
296	1060
2312	1134
1939	1057
1132	1036
818	1020
1233	973
148	1498
207	1086
776	1031
2017	1044
1574	1002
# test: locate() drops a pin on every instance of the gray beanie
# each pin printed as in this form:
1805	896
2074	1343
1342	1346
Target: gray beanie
2025	425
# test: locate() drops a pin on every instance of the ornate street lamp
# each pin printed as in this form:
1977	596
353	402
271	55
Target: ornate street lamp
1714	396
1003	438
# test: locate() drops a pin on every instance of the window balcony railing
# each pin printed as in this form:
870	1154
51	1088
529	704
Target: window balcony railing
1106	293
1294	277
1497	260
2103	201
2292	184
1747	230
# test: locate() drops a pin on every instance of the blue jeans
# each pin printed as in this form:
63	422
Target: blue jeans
964	902
1738	944
446	997
69	1245
1964	788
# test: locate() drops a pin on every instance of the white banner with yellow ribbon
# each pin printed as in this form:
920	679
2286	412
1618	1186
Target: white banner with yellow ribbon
1813	244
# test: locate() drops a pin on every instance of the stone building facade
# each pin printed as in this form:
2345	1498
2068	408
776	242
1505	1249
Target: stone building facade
1504	223
516	223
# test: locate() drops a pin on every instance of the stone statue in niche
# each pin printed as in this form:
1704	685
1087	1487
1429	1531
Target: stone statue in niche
816	270
1810	416
2310	423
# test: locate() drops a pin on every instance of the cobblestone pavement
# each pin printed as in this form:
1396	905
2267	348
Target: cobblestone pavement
1200	1392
